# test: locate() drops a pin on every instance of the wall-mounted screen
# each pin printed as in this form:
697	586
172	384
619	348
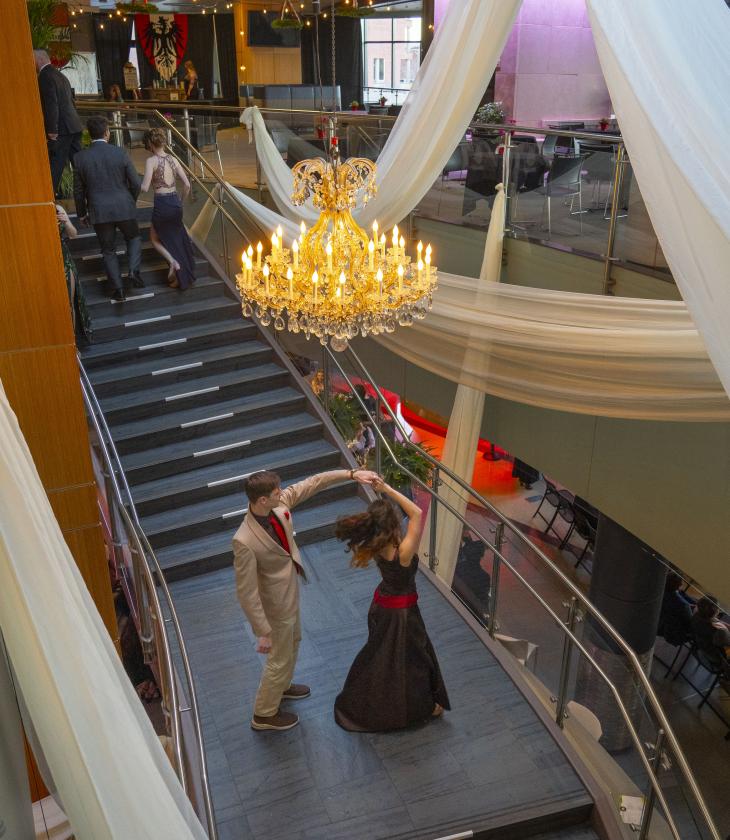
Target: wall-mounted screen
262	34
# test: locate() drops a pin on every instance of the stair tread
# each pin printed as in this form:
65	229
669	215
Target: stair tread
128	370
238	405
174	389
174	306
215	508
212	544
251	431
96	293
190	331
193	479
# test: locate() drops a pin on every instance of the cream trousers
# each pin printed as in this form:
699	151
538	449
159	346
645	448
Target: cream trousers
279	667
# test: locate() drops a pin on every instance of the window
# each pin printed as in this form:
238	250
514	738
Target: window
379	69
392	54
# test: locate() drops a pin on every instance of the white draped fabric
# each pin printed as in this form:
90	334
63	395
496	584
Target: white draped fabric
608	356
667	68
440	105
465	423
590	354
109	768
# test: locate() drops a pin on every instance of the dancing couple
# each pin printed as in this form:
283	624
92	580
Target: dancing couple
395	680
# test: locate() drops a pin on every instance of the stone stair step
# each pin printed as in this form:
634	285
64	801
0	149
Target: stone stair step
129	376
181	456
177	396
214	551
154	293
196	485
167	344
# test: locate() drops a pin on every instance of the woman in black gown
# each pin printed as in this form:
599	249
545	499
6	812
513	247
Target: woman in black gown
395	680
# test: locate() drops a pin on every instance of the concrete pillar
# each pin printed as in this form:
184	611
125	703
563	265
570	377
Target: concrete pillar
627	585
427	21
16	810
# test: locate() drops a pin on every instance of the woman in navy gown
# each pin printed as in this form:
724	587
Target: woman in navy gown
395	680
167	232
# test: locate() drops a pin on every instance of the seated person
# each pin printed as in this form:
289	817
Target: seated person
675	618
525	474
362	443
471	582
712	636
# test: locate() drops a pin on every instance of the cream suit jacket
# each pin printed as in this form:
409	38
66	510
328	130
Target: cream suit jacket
266	575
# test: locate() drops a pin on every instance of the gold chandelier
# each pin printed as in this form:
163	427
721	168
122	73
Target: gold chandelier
334	281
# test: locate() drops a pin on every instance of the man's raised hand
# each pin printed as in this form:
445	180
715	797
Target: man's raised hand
365	476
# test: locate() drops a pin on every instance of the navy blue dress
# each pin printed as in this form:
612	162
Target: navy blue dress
167	218
395	680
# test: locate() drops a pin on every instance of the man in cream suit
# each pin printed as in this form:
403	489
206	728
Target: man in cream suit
267	564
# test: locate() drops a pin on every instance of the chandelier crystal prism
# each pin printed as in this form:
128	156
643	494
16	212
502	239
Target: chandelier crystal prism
334	281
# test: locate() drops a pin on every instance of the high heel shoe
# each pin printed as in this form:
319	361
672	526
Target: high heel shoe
172	280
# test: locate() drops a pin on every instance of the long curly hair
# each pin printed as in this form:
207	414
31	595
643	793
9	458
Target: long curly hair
367	534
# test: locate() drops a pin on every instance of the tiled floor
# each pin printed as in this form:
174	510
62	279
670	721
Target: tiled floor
485	761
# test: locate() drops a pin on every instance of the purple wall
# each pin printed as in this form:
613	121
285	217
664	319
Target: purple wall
549	69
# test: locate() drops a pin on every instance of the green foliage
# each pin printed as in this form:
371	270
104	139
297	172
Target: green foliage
348	11
136	8
40	16
345	414
492	112
287	23
408	457
66	184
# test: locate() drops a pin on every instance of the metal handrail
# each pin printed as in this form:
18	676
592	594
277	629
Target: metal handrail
147	556
576	593
349	115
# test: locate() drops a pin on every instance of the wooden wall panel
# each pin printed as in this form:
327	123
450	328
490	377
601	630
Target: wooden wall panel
24	172
43	389
264	65
75	507
89	551
35	307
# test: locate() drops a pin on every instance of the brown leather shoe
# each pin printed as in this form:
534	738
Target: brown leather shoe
296	692
279	721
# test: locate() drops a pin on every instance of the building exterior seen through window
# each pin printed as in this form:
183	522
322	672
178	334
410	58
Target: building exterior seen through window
391	56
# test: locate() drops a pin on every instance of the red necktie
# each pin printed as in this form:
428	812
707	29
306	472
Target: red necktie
280	533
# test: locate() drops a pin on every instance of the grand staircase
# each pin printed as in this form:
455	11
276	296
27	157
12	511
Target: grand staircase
196	398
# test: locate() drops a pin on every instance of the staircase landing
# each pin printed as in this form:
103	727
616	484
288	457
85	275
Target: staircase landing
488	766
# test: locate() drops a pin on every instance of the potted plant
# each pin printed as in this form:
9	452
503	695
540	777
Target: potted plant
410	458
49	31
345	414
490	114
383	101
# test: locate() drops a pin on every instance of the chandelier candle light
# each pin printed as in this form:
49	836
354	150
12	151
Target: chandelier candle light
334	281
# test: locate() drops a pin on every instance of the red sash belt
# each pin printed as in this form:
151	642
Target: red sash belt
395	602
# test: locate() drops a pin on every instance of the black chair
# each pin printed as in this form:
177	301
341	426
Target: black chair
564	180
584	527
712	662
552	497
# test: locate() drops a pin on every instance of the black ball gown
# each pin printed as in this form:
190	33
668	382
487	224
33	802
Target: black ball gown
395	680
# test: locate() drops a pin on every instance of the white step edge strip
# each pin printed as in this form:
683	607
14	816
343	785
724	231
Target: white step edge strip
158	344
147	321
97	256
206	420
134	297
187	366
228	480
234	513
220	448
192	393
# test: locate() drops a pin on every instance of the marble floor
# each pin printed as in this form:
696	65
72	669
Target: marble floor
483	763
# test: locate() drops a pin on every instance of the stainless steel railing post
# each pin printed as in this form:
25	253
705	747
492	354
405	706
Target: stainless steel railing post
433	519
378	445
618	174
651	795
494	589
506	162
565	664
186	131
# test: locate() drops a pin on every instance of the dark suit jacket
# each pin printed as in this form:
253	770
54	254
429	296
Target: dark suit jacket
106	184
57	101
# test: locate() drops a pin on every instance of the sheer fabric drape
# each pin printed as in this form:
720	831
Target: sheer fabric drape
445	94
110	770
667	68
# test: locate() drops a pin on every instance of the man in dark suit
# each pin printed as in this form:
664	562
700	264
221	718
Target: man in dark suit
106	186
62	123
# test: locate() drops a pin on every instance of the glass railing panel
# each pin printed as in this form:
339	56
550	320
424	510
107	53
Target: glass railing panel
636	242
